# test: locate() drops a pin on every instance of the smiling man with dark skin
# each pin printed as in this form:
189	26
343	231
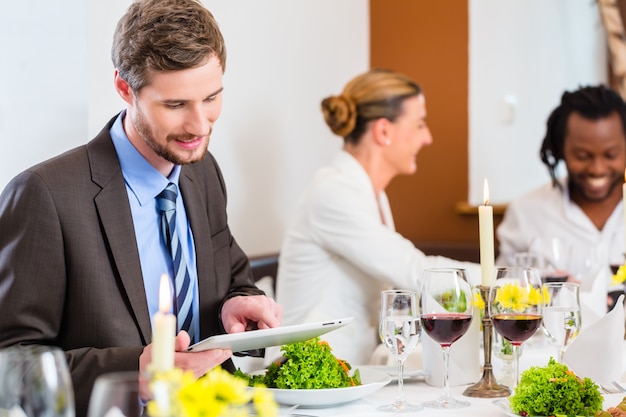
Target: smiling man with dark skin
584	208
594	155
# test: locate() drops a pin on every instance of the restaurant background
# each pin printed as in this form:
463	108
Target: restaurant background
491	72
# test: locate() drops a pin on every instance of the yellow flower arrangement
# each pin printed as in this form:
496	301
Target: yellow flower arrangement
216	394
513	297
479	303
620	276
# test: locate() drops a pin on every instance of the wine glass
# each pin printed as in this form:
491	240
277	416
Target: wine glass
516	306
35	382
585	262
399	331
446	301
561	314
529	259
554	255
503	350
115	394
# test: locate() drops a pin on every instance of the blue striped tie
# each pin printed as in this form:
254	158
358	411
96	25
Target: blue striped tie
166	201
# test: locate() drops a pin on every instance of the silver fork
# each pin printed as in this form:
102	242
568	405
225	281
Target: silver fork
619	386
287	411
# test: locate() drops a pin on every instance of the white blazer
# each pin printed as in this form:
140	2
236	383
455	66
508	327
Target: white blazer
338	255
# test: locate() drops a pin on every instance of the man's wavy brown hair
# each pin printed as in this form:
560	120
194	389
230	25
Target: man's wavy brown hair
164	35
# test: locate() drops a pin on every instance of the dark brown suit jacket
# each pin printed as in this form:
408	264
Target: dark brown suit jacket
69	266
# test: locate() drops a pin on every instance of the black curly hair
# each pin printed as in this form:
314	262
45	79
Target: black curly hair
591	102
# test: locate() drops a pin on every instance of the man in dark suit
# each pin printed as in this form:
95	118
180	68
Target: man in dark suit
81	252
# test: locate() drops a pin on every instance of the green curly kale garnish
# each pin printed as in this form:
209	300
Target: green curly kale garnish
308	365
555	390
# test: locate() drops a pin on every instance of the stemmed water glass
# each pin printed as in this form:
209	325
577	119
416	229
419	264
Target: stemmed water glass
35	382
446	301
399	330
561	314
115	394
516	306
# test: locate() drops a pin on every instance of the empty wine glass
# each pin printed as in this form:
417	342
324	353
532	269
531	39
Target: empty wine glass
399	330
554	256
116	394
516	306
529	259
35	382
561	314
446	301
585	262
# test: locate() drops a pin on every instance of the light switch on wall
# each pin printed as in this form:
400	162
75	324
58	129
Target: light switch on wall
508	110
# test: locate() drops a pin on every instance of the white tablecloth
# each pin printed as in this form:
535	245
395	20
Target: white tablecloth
536	352
418	392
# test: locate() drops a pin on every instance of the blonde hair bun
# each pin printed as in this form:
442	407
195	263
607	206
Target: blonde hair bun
339	114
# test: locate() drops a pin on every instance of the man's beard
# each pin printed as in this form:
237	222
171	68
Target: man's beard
143	129
576	187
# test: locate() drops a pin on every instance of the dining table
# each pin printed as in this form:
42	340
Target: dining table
536	352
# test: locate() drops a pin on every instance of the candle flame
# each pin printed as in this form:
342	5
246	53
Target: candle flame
625	175
486	191
165	296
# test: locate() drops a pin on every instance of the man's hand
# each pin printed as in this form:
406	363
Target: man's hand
243	313
197	362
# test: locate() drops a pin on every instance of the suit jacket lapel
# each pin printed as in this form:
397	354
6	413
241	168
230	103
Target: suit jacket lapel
115	215
196	206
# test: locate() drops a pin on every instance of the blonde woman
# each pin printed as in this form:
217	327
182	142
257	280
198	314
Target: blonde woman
342	248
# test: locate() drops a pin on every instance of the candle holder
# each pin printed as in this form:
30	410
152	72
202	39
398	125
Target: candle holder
487	387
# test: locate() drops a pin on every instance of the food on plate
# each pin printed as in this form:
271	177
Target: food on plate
307	365
555	390
618	411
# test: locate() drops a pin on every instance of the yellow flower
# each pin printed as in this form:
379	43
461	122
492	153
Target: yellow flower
620	276
537	296
513	297
478	301
264	404
216	394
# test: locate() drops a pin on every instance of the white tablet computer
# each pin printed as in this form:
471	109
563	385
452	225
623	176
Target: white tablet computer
277	336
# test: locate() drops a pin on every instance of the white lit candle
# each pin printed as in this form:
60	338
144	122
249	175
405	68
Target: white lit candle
485	222
164	330
624	204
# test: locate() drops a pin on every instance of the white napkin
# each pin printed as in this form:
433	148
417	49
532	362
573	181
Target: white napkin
596	352
465	366
593	293
16	411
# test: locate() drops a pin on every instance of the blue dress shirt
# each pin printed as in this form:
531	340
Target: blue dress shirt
143	184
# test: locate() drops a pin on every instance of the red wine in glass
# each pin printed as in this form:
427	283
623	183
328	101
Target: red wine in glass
553	278
447	310
446	328
516	328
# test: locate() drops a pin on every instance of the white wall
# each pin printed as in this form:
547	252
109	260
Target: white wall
284	56
43	79
531	50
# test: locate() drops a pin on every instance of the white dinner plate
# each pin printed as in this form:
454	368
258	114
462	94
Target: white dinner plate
392	371
372	380
503	403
